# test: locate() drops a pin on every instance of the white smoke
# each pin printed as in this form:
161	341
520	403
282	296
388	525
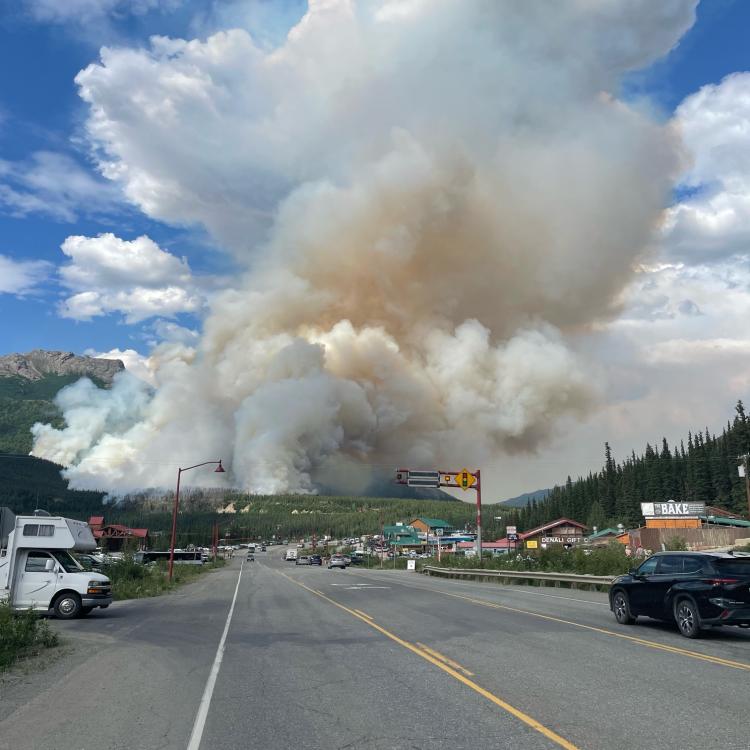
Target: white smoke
431	202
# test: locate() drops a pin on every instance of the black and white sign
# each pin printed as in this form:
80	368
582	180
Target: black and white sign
673	510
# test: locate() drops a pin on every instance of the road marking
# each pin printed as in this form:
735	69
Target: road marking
604	631
200	719
445	659
364	614
525	718
501	587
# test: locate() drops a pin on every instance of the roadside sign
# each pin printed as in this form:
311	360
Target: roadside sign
465	479
423	479
512	537
411	564
532	544
511	530
681	510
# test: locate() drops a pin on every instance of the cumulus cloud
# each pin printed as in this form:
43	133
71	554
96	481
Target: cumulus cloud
712	221
134	277
55	185
21	276
432	201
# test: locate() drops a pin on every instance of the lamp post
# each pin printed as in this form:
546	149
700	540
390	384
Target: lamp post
219	470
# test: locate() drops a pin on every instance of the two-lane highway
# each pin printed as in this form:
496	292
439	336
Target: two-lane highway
377	659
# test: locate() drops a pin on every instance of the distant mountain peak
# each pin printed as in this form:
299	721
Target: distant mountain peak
38	363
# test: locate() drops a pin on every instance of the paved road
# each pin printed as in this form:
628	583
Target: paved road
378	659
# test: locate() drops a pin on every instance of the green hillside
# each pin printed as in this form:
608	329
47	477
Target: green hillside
27	483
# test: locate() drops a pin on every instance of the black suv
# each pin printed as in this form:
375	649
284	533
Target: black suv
694	589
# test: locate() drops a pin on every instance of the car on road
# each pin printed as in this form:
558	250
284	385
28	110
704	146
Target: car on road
696	590
315	560
337	561
303	560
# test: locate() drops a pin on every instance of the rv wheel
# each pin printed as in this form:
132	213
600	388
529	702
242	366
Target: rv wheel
67	606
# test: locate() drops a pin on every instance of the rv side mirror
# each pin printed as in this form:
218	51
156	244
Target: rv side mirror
49	566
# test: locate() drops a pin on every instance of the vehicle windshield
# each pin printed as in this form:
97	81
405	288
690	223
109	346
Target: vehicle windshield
735	567
68	562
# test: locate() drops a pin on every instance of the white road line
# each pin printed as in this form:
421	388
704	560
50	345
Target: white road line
200	718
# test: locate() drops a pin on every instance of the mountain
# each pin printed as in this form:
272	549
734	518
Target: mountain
39	364
29	384
523	500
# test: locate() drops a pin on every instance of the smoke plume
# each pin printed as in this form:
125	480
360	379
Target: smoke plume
430	203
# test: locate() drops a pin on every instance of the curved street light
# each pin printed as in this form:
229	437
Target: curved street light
218	470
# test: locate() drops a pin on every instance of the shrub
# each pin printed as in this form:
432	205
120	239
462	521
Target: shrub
22	634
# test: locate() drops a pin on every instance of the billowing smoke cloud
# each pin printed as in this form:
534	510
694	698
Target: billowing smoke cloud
431	202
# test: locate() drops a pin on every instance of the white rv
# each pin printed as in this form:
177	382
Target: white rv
37	570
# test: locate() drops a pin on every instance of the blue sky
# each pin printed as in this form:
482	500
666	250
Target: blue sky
41	111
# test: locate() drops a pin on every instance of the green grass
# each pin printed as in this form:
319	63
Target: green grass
131	580
22	634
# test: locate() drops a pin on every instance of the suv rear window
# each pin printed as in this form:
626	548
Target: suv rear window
734	567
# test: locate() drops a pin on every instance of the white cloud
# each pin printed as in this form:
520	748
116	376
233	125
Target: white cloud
713	220
136	278
56	185
21	276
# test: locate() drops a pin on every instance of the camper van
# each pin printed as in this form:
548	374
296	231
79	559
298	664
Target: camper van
38	572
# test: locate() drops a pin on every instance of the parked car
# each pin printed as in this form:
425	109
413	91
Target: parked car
304	560
315	560
337	561
694	589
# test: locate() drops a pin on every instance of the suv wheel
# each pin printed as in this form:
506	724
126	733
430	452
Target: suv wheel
621	607
687	618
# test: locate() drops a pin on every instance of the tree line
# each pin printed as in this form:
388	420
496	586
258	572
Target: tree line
701	469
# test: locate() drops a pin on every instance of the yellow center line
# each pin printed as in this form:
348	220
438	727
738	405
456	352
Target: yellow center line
364	614
604	631
445	659
520	715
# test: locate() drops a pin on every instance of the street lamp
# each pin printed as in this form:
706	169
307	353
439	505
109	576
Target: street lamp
218	470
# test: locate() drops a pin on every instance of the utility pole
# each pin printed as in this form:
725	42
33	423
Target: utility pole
479	515
746	461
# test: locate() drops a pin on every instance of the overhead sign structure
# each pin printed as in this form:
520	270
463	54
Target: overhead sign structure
463	479
673	510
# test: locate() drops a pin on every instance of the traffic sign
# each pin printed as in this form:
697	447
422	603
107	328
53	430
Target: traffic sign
512	537
510	530
423	479
465	479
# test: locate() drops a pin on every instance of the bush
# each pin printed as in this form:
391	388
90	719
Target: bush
676	544
22	634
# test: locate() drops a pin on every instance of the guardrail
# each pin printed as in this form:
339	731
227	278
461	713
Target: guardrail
527	575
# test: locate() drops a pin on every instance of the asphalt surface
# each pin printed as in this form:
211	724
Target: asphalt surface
377	659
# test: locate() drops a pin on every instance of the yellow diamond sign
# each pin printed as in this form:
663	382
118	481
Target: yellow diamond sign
465	479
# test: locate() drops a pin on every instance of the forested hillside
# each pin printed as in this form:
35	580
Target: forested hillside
701	468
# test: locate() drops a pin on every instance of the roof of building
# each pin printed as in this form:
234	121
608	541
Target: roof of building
433	523
395	529
551	525
724	521
116	529
610	531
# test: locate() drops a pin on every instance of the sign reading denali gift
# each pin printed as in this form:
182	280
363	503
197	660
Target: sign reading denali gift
673	510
